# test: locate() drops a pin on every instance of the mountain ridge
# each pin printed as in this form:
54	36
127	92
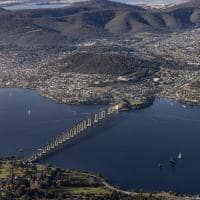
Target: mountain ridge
92	19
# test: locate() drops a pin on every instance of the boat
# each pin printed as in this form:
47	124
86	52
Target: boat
160	165
21	150
29	112
180	156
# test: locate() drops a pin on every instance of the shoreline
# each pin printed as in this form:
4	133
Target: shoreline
147	104
102	181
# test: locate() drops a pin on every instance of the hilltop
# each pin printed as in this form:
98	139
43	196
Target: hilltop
91	62
101	52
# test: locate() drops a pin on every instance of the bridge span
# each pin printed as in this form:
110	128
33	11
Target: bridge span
73	132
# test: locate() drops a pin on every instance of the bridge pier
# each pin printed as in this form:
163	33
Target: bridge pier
74	131
71	134
60	141
39	154
89	122
77	128
33	157
96	119
44	151
56	143
67	136
48	148
82	126
109	111
99	115
63	137
85	125
103	114
52	145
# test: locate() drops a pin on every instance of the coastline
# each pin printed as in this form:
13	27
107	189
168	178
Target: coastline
99	183
148	101
136	108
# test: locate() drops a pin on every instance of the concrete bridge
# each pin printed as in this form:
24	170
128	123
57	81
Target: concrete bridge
73	132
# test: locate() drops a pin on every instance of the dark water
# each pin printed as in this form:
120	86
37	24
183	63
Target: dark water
126	149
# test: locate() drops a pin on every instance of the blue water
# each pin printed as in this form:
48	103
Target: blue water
126	149
47	119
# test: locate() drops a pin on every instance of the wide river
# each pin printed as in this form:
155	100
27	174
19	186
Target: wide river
126	149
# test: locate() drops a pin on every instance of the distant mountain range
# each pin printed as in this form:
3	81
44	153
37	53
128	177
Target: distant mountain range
27	4
93	19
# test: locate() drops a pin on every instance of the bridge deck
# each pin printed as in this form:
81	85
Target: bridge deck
75	131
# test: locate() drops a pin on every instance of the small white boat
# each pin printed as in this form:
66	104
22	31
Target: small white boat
21	150
179	156
29	112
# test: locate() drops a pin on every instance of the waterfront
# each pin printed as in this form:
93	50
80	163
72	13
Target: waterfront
127	150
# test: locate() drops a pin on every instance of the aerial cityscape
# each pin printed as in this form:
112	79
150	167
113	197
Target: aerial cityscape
100	99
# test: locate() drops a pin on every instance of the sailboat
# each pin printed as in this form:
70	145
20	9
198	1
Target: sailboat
179	156
29	112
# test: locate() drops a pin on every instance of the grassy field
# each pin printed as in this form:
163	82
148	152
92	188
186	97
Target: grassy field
135	102
4	171
88	190
39	181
